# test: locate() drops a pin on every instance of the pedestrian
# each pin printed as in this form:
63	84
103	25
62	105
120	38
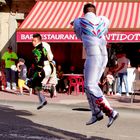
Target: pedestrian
42	55
22	76
9	60
91	29
121	71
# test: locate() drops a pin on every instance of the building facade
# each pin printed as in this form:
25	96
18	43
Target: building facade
12	13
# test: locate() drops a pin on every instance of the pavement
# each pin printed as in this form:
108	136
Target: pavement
63	98
64	118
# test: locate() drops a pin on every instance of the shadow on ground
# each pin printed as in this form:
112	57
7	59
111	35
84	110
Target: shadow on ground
14	126
81	109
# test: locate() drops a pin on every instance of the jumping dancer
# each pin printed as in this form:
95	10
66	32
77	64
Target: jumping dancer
91	29
42	56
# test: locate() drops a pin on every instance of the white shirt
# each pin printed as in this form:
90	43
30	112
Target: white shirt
49	52
91	29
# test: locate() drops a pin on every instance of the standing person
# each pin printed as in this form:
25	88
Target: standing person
91	30
9	60
60	86
122	64
22	75
42	54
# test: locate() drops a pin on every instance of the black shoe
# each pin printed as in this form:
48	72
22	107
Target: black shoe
51	91
112	118
43	104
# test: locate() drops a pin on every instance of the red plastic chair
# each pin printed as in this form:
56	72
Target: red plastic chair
72	84
80	85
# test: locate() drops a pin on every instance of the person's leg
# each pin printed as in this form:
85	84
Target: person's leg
7	71
13	78
108	87
92	90
26	87
37	85
119	85
104	60
20	84
41	97
29	89
96	99
126	83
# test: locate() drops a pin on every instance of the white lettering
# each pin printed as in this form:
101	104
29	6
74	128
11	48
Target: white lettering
26	37
137	36
123	37
130	37
58	36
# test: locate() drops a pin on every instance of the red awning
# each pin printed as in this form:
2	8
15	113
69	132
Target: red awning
47	16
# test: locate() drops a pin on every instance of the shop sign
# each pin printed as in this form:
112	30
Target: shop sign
71	37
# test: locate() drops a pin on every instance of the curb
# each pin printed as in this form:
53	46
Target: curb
76	105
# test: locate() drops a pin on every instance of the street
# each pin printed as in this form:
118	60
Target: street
20	121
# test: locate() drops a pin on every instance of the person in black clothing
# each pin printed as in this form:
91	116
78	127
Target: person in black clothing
31	71
22	75
41	55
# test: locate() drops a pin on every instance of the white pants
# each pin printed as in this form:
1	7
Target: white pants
93	70
94	67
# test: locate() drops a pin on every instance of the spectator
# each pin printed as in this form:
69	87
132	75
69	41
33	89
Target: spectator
60	86
72	69
22	75
137	73
122	64
110	83
9	60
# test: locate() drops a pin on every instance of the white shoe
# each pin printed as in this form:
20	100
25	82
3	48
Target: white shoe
118	94
112	118
14	88
7	88
127	94
30	91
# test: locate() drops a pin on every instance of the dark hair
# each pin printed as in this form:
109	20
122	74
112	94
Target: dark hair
10	47
37	36
88	5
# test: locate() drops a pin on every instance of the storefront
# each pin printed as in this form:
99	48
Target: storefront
52	20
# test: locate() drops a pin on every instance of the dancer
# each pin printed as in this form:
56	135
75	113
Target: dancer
91	29
42	56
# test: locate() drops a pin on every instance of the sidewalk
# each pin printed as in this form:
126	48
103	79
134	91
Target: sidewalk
115	101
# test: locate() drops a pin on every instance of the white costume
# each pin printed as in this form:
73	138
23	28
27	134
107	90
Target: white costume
47	68
92	30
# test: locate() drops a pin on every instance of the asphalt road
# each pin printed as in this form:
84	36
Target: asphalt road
63	122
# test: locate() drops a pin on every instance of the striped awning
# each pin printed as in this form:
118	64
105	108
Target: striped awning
56	15
59	14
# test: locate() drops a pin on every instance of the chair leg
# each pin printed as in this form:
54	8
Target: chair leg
68	92
83	90
132	97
